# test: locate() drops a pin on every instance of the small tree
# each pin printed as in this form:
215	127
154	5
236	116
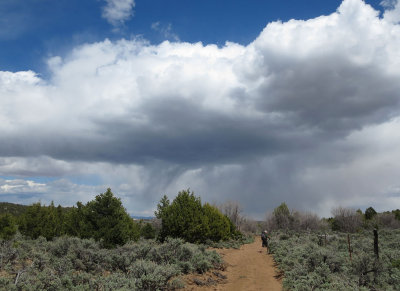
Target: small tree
40	220
53	221
250	226
233	211
370	213
346	219
32	221
108	220
184	218
104	219
218	224
387	220
161	207
396	213
282	216
76	223
187	218
305	221
8	227
147	231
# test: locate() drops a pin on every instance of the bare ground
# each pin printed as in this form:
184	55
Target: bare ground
250	268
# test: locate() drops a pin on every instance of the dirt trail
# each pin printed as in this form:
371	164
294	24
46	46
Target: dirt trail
249	268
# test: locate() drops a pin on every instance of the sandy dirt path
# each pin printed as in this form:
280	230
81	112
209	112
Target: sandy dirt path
249	268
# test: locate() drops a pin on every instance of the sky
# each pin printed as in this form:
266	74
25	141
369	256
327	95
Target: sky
258	102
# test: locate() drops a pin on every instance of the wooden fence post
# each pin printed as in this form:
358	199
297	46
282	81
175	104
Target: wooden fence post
348	241
376	246
376	251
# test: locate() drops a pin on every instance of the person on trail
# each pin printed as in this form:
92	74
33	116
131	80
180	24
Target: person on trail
264	238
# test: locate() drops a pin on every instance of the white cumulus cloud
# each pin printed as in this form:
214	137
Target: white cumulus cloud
117	12
165	30
392	13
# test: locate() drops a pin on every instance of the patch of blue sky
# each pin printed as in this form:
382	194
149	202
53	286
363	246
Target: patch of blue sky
211	21
31	31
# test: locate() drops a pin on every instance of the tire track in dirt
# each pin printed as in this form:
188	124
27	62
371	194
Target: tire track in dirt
250	268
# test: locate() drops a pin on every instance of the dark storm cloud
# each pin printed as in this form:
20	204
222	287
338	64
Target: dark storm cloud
332	94
184	135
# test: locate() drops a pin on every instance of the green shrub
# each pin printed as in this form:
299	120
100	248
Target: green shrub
185	218
8	227
188	219
104	219
45	221
218	224
147	231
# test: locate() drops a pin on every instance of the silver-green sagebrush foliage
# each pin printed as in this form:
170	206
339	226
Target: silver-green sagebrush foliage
311	261
68	263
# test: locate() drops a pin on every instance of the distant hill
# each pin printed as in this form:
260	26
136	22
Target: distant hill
142	217
12	208
18	209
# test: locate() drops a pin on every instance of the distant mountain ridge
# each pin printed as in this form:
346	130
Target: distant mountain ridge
12	208
18	209
142	217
